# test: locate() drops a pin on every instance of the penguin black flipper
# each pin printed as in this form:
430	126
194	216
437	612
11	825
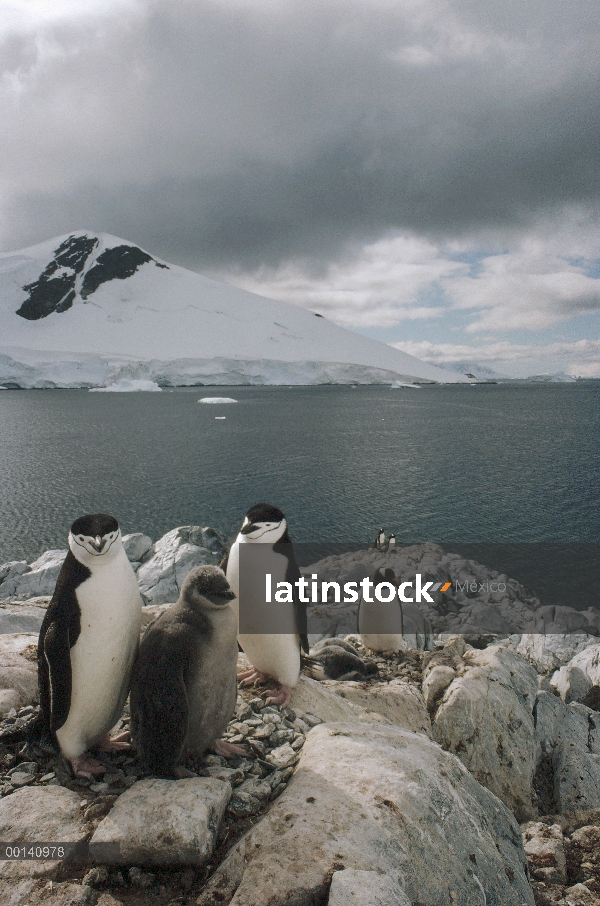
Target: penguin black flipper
224	562
284	546
59	632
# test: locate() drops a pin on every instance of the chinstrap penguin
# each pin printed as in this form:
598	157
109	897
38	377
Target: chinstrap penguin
88	642
381	624
183	687
273	656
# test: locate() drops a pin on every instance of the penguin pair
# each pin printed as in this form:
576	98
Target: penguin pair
183	683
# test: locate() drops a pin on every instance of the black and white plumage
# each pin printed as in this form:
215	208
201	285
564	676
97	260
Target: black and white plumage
183	687
88	641
381	625
273	656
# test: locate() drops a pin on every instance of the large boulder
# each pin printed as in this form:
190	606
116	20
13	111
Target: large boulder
166	822
161	576
40	578
49	814
567	752
368	795
485	717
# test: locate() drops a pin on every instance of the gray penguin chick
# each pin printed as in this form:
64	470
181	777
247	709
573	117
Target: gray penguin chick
183	687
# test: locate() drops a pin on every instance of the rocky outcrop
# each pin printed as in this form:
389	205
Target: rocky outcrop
485	717
372	794
365	888
575	680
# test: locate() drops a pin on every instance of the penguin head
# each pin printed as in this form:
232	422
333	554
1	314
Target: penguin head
264	523
207	587
93	537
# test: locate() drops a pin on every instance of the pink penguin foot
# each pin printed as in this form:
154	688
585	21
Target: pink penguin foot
280	696
252	677
86	767
119	743
228	749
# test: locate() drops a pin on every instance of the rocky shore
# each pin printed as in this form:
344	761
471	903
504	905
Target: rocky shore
467	771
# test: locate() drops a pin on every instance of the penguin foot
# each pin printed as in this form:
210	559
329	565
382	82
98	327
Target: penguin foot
228	749
86	767
252	677
119	743
279	696
181	773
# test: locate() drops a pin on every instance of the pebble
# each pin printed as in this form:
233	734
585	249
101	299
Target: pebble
282	757
244	805
234	776
21	778
99	787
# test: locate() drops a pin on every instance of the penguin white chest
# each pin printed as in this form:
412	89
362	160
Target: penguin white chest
102	657
276	654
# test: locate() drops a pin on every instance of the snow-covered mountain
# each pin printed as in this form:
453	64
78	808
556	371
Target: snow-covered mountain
90	309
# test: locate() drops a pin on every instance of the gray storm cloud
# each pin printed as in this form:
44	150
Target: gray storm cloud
234	134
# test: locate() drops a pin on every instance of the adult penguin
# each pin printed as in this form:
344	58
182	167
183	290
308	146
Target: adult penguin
88	643
274	656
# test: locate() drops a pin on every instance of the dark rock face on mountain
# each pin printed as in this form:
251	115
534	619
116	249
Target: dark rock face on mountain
55	289
51	293
115	264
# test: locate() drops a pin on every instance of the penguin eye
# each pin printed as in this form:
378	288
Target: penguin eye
81	538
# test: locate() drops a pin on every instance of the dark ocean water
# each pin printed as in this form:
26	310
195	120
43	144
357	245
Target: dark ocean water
505	463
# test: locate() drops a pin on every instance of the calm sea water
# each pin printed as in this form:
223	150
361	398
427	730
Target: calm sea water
505	463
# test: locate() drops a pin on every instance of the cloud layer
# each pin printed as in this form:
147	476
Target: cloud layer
385	161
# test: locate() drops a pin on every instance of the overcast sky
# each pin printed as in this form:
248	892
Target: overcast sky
423	171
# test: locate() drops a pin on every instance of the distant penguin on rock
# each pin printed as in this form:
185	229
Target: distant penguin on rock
273	656
183	687
380	541
381	623
88	642
391	545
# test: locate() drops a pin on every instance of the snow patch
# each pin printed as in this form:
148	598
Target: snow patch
217	399
127	386
398	384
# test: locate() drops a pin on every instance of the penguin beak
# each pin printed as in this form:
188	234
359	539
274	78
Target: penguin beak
98	543
246	529
228	594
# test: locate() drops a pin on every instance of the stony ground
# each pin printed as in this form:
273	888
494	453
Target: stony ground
563	850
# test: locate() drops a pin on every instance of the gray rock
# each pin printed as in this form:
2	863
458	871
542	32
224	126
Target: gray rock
576	778
372	794
136	546
365	888
162	822
160	578
10	574
436	682
18	673
575	679
41	577
549	652
39	814
545	850
21	618
486	718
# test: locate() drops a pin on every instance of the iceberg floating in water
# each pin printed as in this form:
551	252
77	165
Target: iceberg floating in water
398	384
217	399
128	385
